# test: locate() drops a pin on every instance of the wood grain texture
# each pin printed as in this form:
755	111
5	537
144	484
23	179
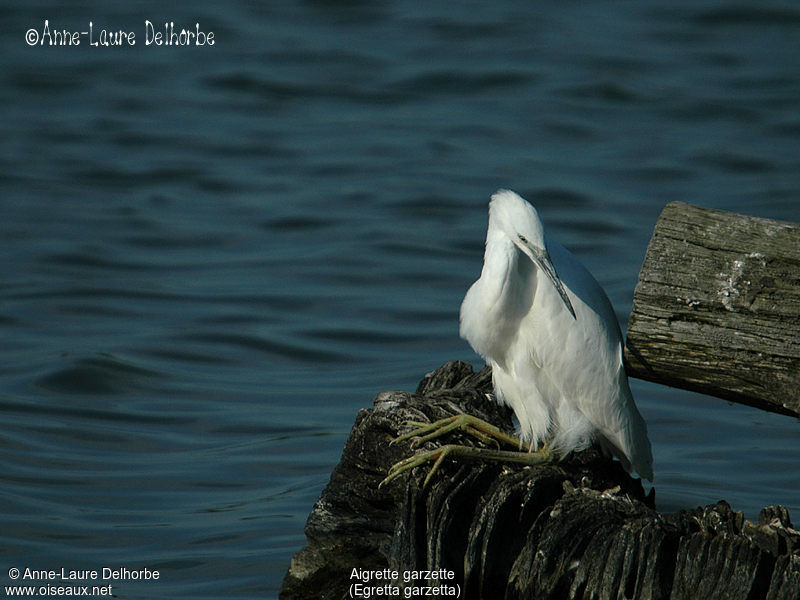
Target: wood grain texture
717	307
569	530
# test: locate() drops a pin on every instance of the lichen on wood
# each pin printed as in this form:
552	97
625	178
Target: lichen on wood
717	307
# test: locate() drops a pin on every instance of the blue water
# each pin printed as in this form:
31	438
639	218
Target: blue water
213	257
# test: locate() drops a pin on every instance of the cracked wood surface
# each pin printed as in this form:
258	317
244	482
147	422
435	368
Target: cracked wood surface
717	308
574	529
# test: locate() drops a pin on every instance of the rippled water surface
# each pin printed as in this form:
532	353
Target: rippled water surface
212	257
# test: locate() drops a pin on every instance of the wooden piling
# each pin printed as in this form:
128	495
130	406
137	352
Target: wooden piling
717	307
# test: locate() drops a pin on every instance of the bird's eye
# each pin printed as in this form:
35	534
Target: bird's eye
522	238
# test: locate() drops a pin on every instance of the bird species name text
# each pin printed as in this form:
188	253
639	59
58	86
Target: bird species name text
368	583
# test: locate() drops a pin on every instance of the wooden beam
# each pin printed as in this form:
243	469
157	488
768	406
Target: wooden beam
717	307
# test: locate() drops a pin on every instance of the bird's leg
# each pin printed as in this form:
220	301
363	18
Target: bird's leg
452	450
486	432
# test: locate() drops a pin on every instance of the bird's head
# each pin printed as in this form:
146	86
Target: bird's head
512	216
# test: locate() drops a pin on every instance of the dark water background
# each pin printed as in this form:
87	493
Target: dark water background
212	257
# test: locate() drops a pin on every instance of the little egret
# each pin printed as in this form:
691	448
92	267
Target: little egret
547	328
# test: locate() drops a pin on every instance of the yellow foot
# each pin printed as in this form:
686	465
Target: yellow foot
486	432
467	452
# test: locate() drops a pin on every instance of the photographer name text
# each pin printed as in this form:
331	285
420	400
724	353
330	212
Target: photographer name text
69	582
168	34
105	573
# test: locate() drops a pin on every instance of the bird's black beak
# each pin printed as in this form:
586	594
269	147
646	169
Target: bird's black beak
541	257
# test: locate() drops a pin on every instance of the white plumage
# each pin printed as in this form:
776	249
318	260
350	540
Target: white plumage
548	330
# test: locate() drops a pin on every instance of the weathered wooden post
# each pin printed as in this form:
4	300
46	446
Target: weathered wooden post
717	307
579	528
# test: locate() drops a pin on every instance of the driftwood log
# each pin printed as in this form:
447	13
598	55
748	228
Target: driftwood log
717	308
580	528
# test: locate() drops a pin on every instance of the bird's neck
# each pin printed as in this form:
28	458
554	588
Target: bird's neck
495	303
499	262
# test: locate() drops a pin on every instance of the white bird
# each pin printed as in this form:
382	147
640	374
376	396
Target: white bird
548	330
